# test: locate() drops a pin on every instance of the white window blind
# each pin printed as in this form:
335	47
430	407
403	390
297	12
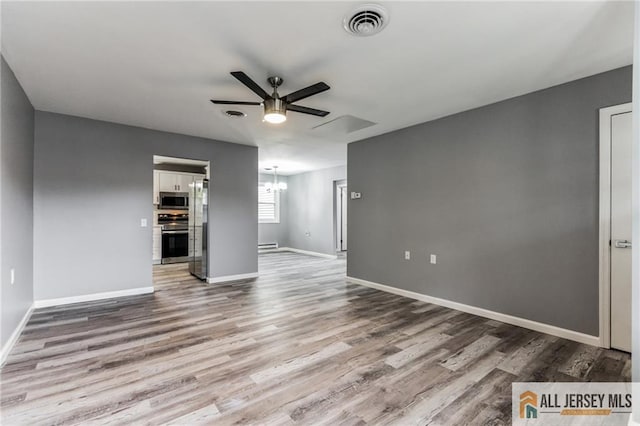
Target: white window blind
268	206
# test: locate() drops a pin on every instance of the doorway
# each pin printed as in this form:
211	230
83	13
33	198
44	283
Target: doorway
180	216
615	226
341	216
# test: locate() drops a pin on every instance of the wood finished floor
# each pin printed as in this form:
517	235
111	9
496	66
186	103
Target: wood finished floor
297	346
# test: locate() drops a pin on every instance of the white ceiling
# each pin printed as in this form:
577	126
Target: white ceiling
157	64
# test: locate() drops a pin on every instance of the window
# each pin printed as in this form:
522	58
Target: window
268	205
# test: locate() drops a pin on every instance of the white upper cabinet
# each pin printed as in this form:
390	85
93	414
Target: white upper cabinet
165	181
175	182
169	182
184	180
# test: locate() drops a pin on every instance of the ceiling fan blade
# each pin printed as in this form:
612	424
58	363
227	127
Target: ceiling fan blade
246	80
235	102
306	92
306	110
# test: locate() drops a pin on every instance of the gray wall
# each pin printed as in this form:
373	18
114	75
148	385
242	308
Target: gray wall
505	195
312	209
93	184
276	232
16	202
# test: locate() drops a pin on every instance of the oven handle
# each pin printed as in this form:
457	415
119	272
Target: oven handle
175	232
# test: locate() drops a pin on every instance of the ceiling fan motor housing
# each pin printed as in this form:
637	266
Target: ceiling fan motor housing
274	106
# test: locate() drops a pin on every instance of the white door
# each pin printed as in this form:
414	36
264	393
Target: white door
343	215
621	146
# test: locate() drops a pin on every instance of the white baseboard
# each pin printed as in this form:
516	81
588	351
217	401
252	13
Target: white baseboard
307	252
509	319
4	352
91	297
227	278
269	250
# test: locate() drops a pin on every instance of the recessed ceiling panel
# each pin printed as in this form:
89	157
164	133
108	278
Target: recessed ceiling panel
343	125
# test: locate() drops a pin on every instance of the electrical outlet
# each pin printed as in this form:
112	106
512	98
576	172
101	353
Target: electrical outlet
13	276
433	259
356	195
307	234
407	255
143	223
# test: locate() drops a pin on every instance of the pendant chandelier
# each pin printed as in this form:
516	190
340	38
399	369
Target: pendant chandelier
275	186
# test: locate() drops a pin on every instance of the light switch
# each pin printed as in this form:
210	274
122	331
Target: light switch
143	223
433	259
407	255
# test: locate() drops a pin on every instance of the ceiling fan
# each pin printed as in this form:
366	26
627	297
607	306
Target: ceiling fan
275	106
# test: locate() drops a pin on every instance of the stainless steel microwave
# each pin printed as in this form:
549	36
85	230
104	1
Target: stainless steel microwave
174	200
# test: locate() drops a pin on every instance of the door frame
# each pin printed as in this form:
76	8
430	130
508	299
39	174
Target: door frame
343	216
337	213
604	248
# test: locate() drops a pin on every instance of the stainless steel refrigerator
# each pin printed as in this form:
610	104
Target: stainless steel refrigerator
198	229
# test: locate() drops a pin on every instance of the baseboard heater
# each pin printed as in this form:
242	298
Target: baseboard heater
267	246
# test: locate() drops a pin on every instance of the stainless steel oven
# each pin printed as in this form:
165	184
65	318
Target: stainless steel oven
175	237
174	200
175	246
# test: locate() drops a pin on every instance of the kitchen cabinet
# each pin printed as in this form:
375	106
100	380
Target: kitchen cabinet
156	187
184	181
174	181
157	244
169	182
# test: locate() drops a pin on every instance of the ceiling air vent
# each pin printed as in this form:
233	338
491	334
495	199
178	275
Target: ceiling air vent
366	20
234	114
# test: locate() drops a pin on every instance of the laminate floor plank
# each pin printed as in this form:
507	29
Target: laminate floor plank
298	345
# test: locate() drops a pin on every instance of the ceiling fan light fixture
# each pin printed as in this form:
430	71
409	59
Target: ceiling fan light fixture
275	111
275	118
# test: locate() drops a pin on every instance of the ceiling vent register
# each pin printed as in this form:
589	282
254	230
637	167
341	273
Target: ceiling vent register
366	20
231	113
